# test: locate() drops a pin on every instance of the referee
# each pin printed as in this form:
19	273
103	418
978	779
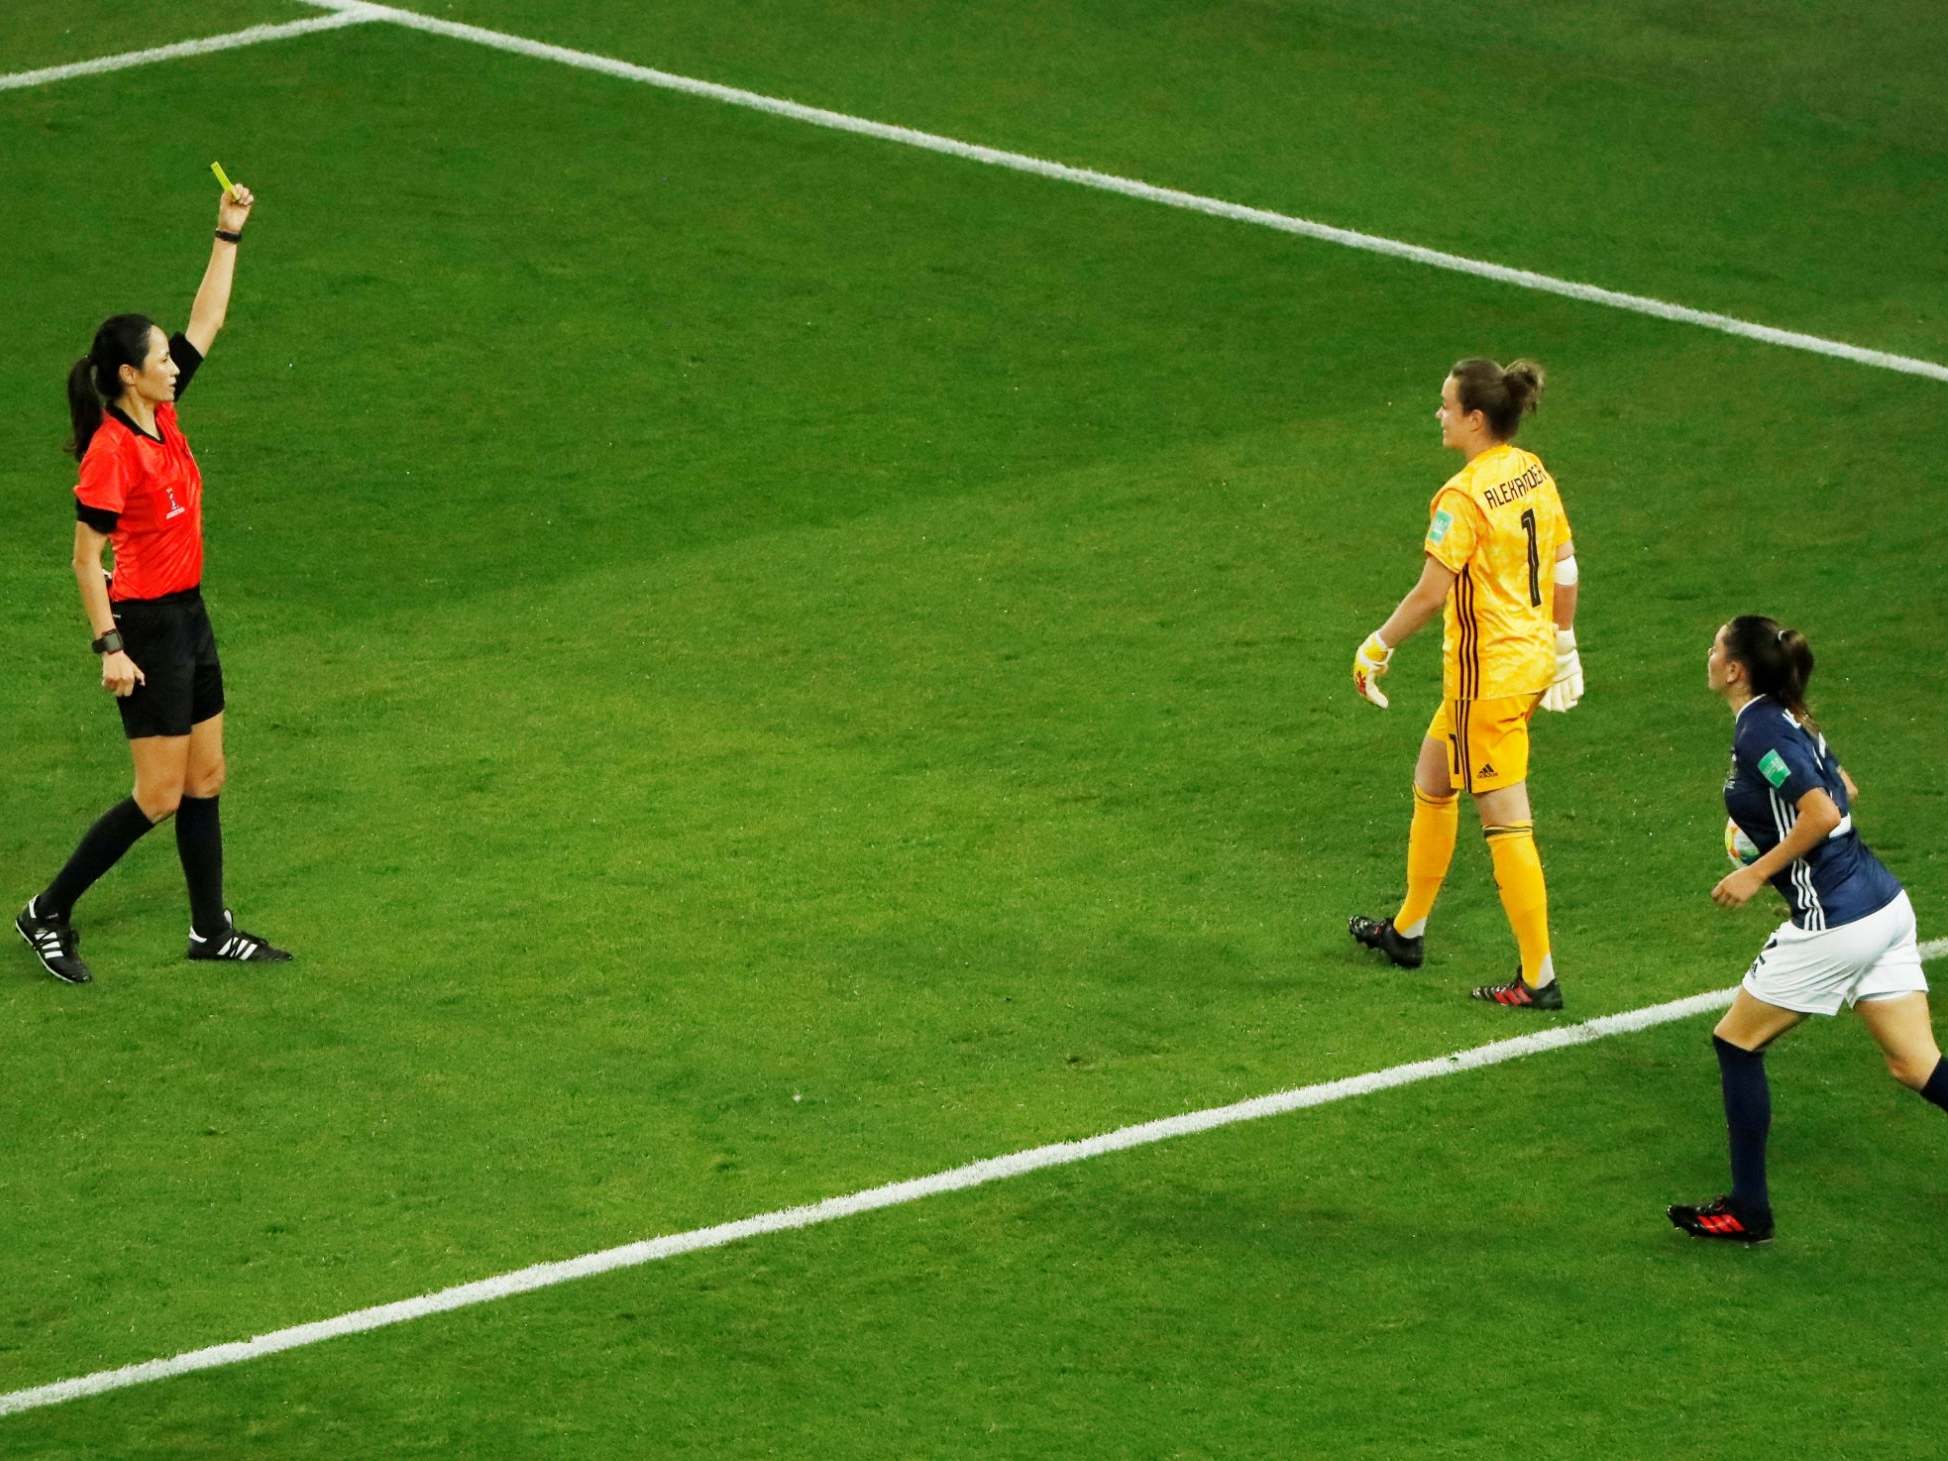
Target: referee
140	492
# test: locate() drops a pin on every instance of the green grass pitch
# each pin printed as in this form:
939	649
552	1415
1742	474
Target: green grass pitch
764	662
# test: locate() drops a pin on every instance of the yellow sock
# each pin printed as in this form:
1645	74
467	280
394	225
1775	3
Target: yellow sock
1430	848
1525	897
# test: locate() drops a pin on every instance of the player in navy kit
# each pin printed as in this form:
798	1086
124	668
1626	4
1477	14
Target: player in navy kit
1850	938
141	493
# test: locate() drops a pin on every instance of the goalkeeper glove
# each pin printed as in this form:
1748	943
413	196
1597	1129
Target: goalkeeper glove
1567	688
1369	663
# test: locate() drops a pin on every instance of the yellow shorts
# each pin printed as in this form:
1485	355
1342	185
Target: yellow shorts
1487	740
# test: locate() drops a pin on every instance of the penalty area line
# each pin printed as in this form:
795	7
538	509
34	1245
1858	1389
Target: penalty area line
1147	192
254	35
872	1199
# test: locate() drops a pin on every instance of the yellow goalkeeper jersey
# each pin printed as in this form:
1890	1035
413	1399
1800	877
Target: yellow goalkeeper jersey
1498	523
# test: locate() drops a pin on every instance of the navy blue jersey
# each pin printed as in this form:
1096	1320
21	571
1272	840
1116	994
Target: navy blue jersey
1775	762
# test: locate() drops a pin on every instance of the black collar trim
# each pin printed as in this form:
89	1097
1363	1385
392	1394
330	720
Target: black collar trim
122	416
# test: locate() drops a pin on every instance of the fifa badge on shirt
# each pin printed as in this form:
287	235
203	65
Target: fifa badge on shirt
1437	530
1773	768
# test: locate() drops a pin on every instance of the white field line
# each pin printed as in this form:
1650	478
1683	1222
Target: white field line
975	1174
893	1194
254	35
1132	188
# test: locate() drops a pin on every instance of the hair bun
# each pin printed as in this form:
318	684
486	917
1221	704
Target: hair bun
1523	381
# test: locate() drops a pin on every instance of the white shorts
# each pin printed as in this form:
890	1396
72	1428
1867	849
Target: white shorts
1815	971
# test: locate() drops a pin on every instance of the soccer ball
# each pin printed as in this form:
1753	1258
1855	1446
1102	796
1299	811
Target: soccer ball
1738	847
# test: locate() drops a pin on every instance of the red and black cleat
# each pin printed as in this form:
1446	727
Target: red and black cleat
1521	995
1719	1219
1379	933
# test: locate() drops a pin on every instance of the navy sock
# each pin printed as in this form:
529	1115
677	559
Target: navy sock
114	833
1936	1089
1748	1117
199	842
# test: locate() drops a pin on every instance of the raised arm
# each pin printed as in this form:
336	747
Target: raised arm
213	294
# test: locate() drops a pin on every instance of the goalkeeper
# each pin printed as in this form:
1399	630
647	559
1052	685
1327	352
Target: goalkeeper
1501	569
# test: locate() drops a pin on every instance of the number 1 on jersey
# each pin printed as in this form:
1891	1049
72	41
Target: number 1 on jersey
1535	560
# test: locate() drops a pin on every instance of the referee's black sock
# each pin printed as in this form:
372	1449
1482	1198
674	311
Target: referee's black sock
1936	1089
1748	1118
199	842
118	829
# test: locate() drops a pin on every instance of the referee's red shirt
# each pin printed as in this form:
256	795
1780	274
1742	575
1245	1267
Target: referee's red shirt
155	493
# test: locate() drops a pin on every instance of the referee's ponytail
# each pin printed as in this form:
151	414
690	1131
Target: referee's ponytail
1778	661
95	378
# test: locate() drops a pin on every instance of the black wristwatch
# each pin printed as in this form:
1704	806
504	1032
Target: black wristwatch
109	643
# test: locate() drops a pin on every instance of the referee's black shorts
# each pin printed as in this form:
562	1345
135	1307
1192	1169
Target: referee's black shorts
171	642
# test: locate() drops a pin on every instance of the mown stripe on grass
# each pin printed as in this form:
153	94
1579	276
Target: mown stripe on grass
1148	192
892	1194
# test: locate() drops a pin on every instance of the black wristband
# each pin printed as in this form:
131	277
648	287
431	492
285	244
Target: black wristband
109	643
227	236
